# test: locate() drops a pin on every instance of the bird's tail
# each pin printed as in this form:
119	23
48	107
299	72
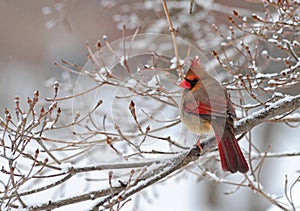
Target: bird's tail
232	158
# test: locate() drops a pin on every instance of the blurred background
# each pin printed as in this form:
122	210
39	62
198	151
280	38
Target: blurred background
35	34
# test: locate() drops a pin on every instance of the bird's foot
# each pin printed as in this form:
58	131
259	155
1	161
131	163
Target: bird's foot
198	144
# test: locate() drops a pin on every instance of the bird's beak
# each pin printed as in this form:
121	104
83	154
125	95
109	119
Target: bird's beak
185	84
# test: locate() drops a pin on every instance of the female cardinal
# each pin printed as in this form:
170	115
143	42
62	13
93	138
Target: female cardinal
205	105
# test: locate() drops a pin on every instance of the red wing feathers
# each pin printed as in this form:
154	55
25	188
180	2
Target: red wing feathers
216	107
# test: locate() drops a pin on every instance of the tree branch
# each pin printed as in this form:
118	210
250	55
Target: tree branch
282	106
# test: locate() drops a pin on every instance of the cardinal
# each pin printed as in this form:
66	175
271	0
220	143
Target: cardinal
205	106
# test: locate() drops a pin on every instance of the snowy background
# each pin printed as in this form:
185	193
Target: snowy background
33	37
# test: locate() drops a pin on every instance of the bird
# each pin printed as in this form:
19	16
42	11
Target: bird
205	106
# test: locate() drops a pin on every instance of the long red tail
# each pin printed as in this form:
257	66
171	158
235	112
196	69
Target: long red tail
232	158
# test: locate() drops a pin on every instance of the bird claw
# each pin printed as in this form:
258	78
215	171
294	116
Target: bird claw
199	145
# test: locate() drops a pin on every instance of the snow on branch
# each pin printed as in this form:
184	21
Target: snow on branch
283	106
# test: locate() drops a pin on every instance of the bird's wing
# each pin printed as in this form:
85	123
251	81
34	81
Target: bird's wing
214	106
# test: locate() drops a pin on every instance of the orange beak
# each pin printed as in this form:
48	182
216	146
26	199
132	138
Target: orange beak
185	84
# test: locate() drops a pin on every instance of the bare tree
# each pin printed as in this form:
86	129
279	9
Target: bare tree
113	125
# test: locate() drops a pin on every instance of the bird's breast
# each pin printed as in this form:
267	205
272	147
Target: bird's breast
195	123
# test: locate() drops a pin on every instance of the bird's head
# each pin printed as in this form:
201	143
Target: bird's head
192	76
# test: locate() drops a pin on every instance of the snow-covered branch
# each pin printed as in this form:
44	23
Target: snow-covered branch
283	106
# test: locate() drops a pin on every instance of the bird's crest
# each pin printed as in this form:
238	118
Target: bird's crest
195	69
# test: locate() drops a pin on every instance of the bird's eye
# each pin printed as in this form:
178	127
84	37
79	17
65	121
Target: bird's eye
194	81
